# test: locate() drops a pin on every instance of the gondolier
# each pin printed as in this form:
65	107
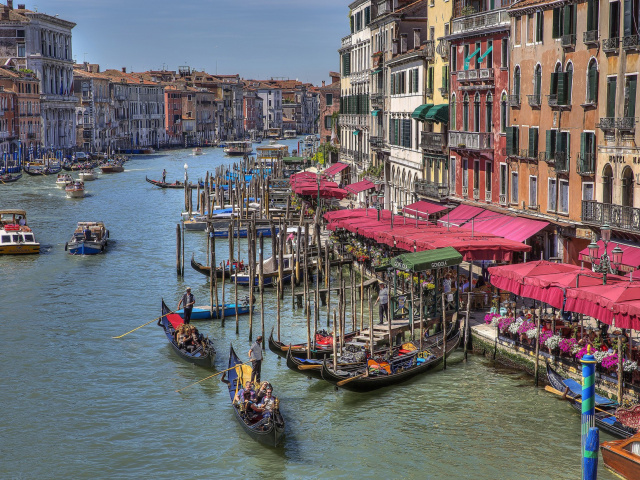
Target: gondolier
255	355
164	176
383	298
187	301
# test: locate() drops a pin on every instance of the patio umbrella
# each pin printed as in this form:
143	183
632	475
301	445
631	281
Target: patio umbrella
603	301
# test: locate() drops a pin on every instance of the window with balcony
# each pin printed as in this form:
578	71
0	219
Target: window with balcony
586	162
514	187
488	104
630	24
452	112
552	195
592	82
476	112
533	191
611	96
593	18
465	113
630	96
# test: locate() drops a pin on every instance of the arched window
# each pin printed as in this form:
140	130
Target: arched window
607	184
452	122
503	113
592	81
569	79
537	83
627	187
553	88
465	113
476	112
516	81
489	112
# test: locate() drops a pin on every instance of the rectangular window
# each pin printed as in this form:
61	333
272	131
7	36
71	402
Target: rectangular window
630	96
533	191
329	99
452	174
539	26
21	50
563	195
552	195
327	122
465	172
476	174
614	19
406	133
517	31
530	27
556	31
611	96
488	60
430	79
477	57
587	191
367	16
454	58
488	174
514	187
503	179
504	53
358	21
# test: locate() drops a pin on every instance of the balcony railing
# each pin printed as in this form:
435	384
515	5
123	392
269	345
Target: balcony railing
513	100
434	142
534	100
586	164
610	45
502	198
616	216
487	195
376	141
606	123
442	48
429	49
476	194
428	92
631	42
435	191
569	41
471	140
477	75
561	161
590	37
346	41
626	123
555	103
465	191
480	21
444	91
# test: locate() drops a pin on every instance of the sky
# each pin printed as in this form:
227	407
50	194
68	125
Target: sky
296	39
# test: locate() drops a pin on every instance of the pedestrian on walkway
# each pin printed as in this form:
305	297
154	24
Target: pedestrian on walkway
255	355
383	299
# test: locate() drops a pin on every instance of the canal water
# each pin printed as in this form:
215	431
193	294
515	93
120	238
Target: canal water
79	404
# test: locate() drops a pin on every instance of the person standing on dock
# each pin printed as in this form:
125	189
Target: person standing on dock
383	298
187	301
255	355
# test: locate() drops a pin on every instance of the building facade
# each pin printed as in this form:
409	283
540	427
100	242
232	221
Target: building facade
329	106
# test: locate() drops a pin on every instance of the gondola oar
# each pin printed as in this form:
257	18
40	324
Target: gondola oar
213	375
550	389
155	319
309	367
347	380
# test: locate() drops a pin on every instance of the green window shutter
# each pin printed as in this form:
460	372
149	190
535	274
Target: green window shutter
516	140
555	33
568	84
510	140
592	79
553	88
611	97
567	146
367	16
396	128
538	82
551	143
516	82
415	79
539	26
583	144
561	91
631	101
535	143
566	20
393	84
444	77
590	15
592	144
351	23
533	136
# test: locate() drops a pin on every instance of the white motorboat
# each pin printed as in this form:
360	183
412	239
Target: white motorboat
75	189
63	180
87	175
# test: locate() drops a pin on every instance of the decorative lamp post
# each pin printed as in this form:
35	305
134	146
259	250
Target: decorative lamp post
608	264
379	200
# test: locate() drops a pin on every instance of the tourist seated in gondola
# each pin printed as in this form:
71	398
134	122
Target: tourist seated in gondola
267	405
240	396
262	391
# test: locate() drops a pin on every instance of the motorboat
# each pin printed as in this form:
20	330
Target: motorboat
63	180
75	189
197	151
16	237
87	175
289	134
238	148
623	456
89	238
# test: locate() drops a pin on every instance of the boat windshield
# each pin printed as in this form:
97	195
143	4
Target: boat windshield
633	447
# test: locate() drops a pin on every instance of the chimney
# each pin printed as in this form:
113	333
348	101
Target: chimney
323	83
21	6
124	69
10	4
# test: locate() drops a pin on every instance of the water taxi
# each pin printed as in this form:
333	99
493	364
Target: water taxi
238	148
89	238
274	133
16	238
63	180
289	134
269	154
87	175
197	151
75	189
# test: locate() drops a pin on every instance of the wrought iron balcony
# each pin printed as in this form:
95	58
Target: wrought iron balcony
569	41
513	100
591	37
610	45
434	191
561	161
433	142
606	123
631	42
553	100
376	141
528	154
616	216
478	75
377	99
429	49
534	100
444	91
471	140
586	165
626	123
480	21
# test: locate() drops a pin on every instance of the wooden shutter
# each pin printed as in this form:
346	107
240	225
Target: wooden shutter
555	33
539	26
561	90
510	140
583	145
628	17
592	79
533	142
590	15
415	80
568	84
553	86
611	97
631	94
551	143
566	20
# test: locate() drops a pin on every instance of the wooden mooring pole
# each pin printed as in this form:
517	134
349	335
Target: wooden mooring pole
178	250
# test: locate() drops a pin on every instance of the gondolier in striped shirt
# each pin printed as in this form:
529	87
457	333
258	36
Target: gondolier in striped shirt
187	301
255	355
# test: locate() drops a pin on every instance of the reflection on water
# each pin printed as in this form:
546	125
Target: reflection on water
78	403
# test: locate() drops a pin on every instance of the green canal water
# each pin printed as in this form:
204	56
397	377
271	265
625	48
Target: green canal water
78	404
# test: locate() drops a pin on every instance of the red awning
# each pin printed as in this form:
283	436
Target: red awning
423	208
630	255
512	228
461	214
360	186
335	168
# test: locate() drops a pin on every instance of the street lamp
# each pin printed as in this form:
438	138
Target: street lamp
608	264
379	204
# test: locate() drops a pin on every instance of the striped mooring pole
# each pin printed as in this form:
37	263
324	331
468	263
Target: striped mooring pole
588	432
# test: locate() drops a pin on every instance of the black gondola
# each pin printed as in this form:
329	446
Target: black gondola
177	184
201	357
402	368
266	430
605	418
300	350
38	170
10	178
206	270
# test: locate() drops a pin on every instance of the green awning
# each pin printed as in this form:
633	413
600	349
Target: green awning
293	159
356	132
421	111
376	71
438	113
375	112
427	260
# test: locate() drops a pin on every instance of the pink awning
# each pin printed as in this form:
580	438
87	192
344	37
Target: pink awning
334	169
630	255
423	208
461	214
360	186
512	228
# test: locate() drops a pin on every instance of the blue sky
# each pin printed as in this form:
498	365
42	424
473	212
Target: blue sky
255	38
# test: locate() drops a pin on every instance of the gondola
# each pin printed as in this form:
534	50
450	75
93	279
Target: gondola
38	170
268	431
169	322
206	270
401	368
10	178
605	417
322	350
176	184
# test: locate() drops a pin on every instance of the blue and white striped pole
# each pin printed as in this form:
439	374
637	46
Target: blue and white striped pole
588	415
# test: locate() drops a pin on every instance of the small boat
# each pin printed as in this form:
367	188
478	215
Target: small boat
176	184
289	134
87	175
88	243
623	457
75	189
204	312
607	411
112	167
203	357
266	430
206	270
16	237
224	233
41	168
63	180
324	346
269	272
399	368
10	178
197	151
238	148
